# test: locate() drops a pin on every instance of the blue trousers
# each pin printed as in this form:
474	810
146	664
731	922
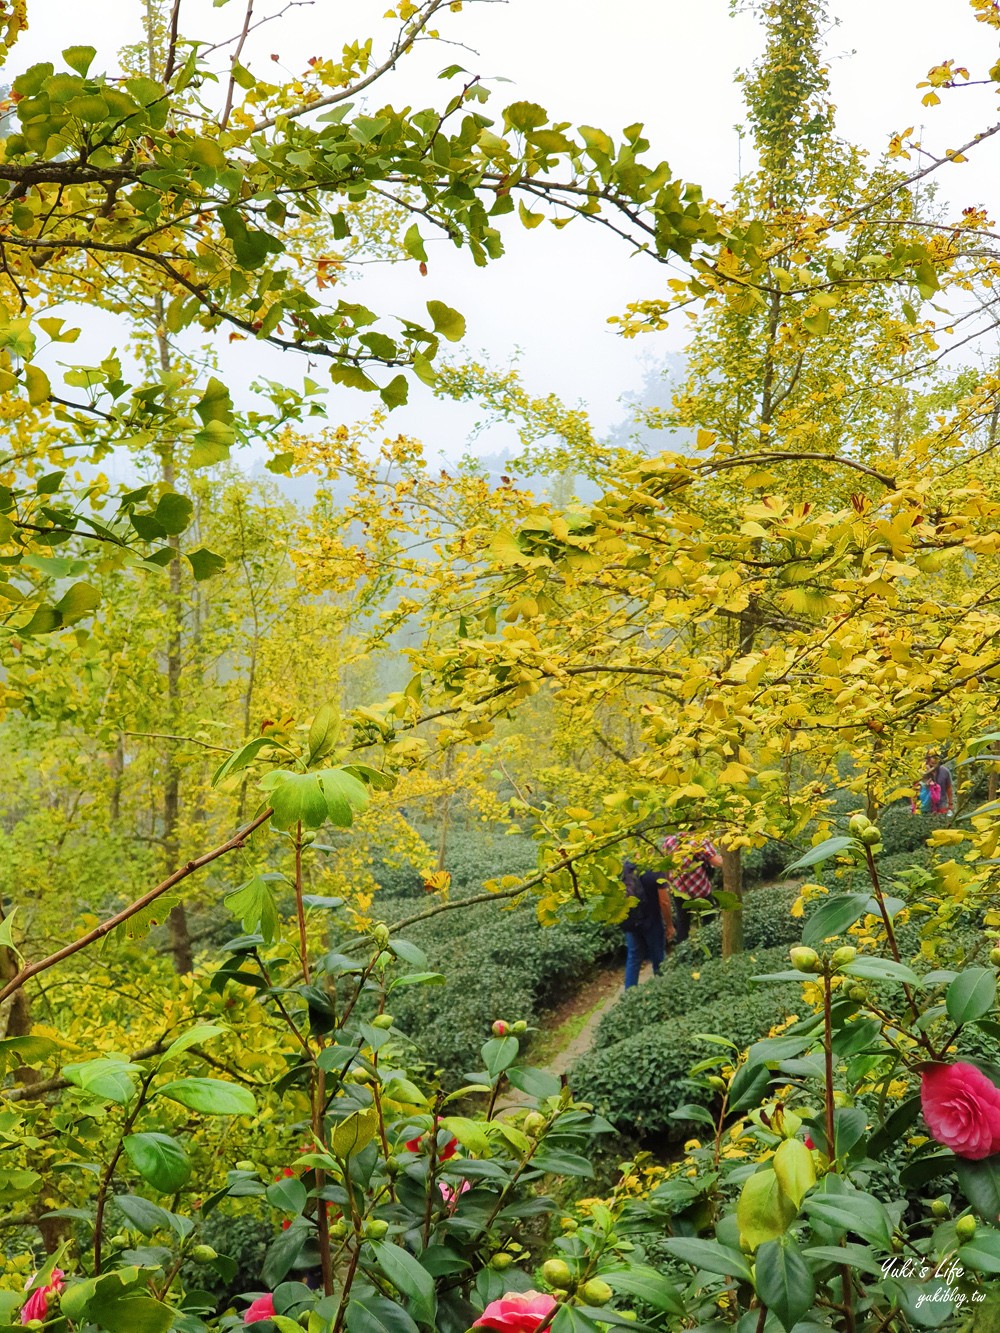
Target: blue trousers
645	942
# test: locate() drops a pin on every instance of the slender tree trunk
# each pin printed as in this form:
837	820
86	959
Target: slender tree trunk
445	814
177	923
732	921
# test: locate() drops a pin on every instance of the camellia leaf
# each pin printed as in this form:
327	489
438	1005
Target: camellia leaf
783	1280
410	1278
980	1183
709	1256
110	1080
764	1211
796	1171
210	1096
972	994
354	1133
834	916
822	852
160	1160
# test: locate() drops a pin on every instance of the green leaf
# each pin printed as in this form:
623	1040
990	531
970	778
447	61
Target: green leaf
311	799
534	1082
648	1286
881	969
110	1080
253	903
193	1037
204	563
835	915
980	1183
354	1133
210	1096
449	323
160	1160
855	1211
240	758
498	1053
709	1256
396	392
413	243
324	732
822	852
283	1251
377	1314
410	1279
748	1086
79	58
174	512
144	1215
783	1281
78	602
764	1211
982	1252
596	140
971	995
288	1194
858	1256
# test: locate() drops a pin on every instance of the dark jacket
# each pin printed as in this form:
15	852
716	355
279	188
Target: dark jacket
644	887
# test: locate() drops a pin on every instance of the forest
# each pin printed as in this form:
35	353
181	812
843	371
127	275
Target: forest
338	767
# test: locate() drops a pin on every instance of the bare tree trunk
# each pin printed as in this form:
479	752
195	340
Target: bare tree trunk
732	921
445	814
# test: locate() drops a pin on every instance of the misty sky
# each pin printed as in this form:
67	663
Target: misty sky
668	63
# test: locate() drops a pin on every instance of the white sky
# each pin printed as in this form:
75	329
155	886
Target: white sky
668	63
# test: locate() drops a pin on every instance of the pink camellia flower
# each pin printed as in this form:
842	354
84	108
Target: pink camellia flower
262	1308
37	1304
517	1312
962	1109
451	1195
500	1028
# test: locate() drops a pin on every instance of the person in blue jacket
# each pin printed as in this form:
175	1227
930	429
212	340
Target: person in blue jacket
643	927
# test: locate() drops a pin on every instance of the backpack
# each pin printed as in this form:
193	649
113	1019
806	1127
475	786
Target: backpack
930	798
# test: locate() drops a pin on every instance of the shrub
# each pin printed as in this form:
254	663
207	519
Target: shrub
903	831
767	922
638	1082
680	989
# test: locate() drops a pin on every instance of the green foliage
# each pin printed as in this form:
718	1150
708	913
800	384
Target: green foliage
639	1081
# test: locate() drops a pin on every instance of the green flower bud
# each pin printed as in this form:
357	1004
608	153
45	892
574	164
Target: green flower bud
339	1229
940	1208
805	959
533	1124
995	957
245	1166
557	1274
380	934
858	824
119	1241
392	1165
714	1081
203	1254
519	1028
842	956
965	1228
871	837
501	1261
383	1021
596	1292
376	1229
858	994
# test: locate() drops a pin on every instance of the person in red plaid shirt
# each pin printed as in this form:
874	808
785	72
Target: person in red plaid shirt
691	857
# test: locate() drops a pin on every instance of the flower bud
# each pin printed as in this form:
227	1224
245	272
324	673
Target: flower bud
392	1165
376	1229
245	1166
557	1274
383	1021
714	1081
995	957
842	956
858	994
500	1028
871	837
596	1292
965	1228
501	1261
533	1124
940	1207
119	1241
569	1224
519	1028
858	824
805	959
203	1254
339	1229
307	837
380	934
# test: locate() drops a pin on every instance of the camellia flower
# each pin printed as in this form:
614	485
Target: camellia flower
451	1195
444	1154
37	1304
517	1312
962	1109
262	1308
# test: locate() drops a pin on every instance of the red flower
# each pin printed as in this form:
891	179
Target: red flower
517	1312
37	1304
809	1143
444	1154
262	1308
962	1109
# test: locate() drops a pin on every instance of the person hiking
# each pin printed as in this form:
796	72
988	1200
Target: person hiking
692	857
935	791
643	927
